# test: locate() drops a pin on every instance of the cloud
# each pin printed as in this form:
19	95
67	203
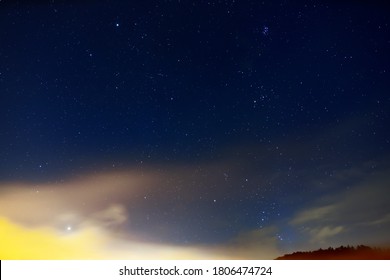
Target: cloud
18	242
383	220
313	214
320	235
92	242
35	204
153	213
105	216
253	244
114	215
353	214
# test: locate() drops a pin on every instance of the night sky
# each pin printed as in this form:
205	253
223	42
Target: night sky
193	129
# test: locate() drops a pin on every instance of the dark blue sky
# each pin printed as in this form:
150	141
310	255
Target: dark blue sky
253	113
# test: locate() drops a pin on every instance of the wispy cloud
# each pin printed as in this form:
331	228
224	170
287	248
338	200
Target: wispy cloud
354	210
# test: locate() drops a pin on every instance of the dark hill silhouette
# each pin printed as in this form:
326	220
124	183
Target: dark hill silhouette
360	252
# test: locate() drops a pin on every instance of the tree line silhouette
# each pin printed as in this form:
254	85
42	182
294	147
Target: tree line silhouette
360	252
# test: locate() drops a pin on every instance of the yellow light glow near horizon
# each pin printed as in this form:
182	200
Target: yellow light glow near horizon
20	243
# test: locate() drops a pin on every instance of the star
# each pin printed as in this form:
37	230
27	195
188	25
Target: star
265	30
